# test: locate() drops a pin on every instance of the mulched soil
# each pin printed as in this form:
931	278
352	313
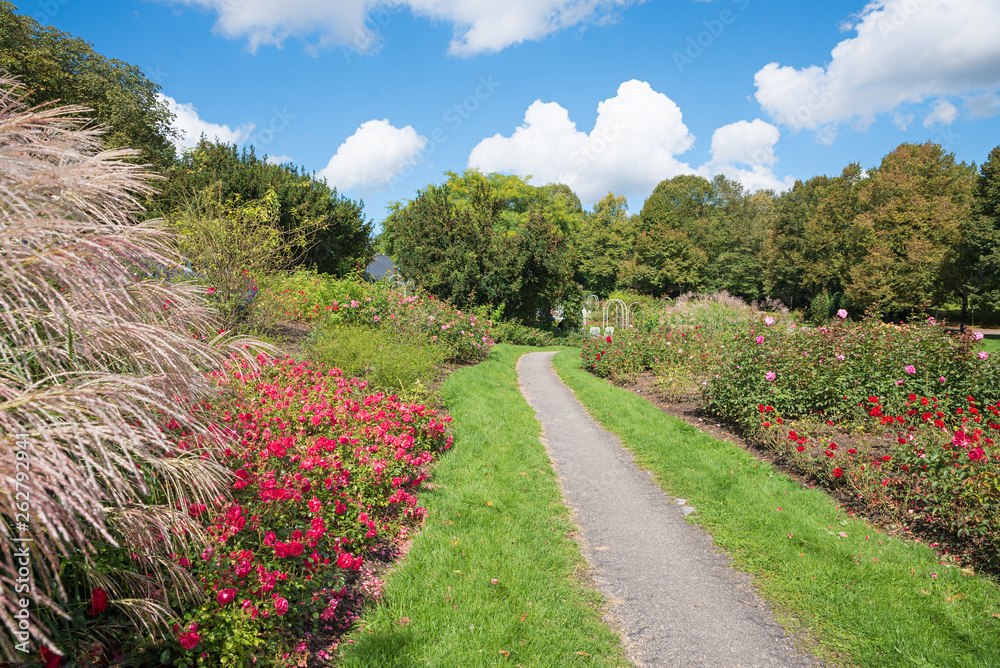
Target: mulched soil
693	412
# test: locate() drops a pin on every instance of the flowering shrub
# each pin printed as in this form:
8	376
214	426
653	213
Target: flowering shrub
622	357
324	477
923	467
465	336
928	460
306	295
828	371
900	417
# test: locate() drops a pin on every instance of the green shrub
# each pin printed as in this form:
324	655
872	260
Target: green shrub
507	331
307	295
822	306
229	247
388	360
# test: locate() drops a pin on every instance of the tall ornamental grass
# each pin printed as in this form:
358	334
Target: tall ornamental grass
94	356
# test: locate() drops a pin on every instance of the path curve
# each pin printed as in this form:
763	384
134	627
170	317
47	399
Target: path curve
676	599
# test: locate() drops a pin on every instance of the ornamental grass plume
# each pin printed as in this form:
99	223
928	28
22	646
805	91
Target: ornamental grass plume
94	357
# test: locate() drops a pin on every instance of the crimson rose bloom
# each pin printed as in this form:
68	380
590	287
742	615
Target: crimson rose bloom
98	601
226	596
280	605
189	640
837	473
345	560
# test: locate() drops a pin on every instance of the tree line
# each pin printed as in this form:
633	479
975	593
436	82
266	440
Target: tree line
918	228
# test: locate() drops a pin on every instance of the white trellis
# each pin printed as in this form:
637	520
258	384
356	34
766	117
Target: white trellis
630	313
591	304
615	312
397	282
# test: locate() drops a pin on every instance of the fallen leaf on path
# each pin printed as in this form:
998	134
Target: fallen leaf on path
523	616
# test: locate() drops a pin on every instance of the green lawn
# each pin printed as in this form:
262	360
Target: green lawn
492	579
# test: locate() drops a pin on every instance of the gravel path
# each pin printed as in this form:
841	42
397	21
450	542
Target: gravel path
676	599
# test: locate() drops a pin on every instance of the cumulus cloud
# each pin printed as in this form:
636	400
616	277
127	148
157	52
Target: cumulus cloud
942	112
904	52
278	159
479	25
191	126
373	155
635	144
744	151
631	148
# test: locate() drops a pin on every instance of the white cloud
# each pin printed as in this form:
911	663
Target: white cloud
904	52
631	148
479	25
749	143
191	126
373	155
744	151
279	159
942	112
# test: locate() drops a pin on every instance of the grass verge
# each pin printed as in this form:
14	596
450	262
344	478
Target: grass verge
868	599
493	578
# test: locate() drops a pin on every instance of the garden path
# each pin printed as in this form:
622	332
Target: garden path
676	599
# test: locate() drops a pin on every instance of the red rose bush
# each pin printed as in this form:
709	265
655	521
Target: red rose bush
325	478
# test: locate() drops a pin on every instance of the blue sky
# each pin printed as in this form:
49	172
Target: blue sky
382	98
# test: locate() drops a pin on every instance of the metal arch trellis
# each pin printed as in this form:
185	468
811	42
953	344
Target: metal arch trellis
630	314
591	304
397	281
619	314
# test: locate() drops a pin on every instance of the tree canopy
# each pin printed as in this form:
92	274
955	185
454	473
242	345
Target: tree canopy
465	242
339	239
54	65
